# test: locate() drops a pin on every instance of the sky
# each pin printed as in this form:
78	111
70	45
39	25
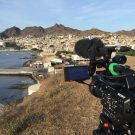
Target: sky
107	15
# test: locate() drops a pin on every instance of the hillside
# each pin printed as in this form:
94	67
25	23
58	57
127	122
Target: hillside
127	33
34	31
93	31
57	108
57	29
61	29
10	32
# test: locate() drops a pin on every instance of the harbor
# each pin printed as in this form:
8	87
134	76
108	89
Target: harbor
16	81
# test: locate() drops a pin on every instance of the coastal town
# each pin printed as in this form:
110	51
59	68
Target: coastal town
67	67
55	51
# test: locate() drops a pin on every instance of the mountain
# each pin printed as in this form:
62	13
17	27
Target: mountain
93	31
61	29
53	30
34	31
10	32
127	33
57	29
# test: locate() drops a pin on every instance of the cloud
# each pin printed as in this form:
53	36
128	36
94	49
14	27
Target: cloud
107	8
91	7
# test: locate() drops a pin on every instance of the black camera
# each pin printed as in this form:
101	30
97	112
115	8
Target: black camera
114	85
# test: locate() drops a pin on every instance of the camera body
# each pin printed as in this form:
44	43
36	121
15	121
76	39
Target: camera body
114	85
117	97
116	92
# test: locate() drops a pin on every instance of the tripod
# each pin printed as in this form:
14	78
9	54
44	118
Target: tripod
106	127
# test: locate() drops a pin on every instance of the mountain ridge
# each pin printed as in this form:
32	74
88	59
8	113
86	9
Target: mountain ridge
127	32
60	29
33	30
11	32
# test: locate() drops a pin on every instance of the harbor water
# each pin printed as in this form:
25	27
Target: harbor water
13	88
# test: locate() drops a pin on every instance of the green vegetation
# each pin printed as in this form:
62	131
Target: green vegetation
130	53
12	45
60	52
36	50
64	52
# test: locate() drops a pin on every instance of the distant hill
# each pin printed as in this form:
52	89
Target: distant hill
34	31
93	31
61	29
127	33
57	29
10	32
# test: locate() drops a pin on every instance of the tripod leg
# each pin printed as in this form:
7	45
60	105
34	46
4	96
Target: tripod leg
133	126
99	132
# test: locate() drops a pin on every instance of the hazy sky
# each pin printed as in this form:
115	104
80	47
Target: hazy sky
107	15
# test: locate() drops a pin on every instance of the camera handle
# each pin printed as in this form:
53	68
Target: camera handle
107	128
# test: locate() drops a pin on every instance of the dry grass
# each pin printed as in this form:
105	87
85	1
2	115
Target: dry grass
59	108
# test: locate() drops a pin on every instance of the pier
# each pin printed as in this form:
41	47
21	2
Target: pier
18	71
23	72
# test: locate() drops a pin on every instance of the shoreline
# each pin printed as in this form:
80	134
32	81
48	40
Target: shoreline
32	87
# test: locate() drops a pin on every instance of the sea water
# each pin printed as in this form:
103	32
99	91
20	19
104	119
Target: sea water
13	88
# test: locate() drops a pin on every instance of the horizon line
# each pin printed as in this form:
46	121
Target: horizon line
21	28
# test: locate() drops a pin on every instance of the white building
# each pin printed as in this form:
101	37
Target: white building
70	46
38	64
133	46
47	64
2	43
55	60
77	58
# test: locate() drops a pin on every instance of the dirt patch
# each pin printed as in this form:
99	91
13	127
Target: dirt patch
131	62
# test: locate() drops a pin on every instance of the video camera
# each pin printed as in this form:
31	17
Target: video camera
114	85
